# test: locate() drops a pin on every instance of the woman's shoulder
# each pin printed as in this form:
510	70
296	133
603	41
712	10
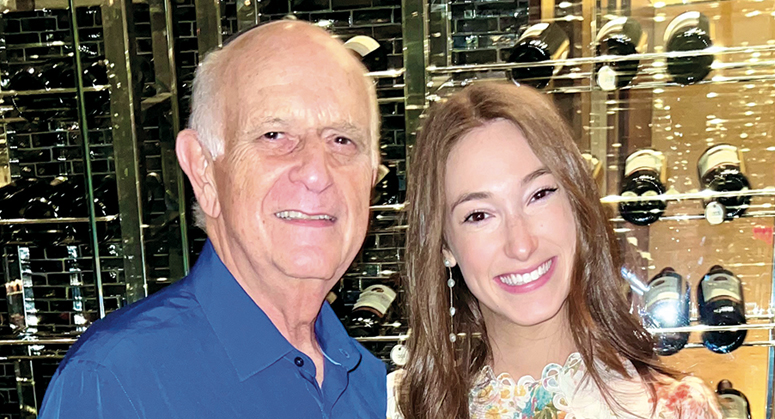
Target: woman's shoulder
393	383
687	398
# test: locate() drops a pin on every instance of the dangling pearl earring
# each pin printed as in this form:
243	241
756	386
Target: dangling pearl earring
452	311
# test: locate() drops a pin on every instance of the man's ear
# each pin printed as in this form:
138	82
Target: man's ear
197	163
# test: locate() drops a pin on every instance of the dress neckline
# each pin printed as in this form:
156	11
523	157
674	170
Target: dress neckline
573	363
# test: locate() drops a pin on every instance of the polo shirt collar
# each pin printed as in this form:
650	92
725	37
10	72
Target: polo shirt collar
250	339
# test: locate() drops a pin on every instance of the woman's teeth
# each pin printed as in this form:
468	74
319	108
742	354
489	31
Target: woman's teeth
526	278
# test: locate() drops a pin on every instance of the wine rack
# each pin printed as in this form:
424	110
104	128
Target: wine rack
434	47
53	291
733	105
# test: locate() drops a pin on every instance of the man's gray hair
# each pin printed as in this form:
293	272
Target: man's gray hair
208	113
207	107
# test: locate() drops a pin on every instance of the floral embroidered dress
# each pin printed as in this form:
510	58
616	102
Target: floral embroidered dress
562	392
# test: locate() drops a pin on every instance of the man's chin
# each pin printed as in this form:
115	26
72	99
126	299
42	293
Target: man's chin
313	269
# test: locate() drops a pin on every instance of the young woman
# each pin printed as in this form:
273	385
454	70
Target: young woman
517	307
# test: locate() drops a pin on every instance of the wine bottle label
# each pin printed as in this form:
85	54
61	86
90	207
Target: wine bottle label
645	160
720	155
606	78
667	287
721	285
361	44
376	297
594	165
555	40
534	31
733	406
715	213
687	20
399	355
331	297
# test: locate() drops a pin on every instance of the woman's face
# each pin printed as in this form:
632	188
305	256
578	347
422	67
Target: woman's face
509	226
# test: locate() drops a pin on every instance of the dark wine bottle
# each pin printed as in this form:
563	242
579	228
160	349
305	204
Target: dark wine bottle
53	203
690	31
15	196
369	51
644	176
386	191
336	303
621	36
667	303
720	302
540	42
720	169
96	102
371	309
38	106
105	204
734	404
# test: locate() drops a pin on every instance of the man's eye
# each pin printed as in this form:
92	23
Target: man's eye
343	141
476	217
273	135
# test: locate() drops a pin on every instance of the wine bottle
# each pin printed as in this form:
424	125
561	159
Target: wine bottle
689	31
667	303
15	196
386	191
96	102
720	301
540	42
621	36
371	309
105	204
734	404
595	167
336	303
369	51
36	107
720	169
53	203
645	176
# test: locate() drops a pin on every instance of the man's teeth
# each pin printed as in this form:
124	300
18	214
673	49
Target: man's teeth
296	215
522	279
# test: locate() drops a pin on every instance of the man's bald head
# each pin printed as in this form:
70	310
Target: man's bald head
284	49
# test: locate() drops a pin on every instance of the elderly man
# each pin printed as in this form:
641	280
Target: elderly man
282	155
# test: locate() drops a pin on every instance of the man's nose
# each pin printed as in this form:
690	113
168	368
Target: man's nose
313	167
521	241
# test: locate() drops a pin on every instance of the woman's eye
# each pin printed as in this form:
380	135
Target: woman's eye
476	217
543	193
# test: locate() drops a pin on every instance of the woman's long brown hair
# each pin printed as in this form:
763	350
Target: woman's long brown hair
440	373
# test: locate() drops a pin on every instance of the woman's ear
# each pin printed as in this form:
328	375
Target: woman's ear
449	258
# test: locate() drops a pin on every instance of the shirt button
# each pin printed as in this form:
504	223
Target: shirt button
298	361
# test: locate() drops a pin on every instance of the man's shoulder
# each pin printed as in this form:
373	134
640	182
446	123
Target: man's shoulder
141	327
371	369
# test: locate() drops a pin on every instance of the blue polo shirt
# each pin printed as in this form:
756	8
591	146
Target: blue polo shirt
201	348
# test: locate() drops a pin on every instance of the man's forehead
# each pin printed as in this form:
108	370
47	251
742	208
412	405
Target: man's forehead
304	118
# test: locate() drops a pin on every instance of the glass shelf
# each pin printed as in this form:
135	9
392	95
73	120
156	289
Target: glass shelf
52	91
152	101
701	195
393	207
706	328
570	62
387	74
384	100
17	221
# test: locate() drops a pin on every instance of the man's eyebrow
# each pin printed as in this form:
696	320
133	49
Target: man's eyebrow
347	128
